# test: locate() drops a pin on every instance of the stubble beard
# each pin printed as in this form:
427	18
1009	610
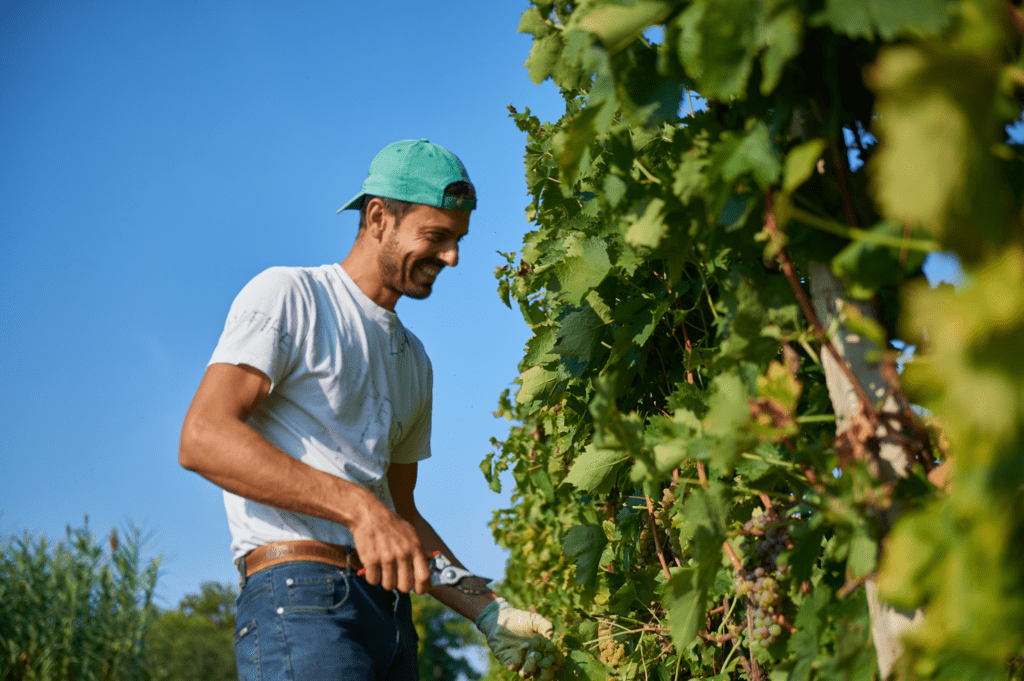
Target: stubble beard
392	273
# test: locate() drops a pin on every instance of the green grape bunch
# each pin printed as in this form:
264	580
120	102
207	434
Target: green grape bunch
772	536
611	652
543	659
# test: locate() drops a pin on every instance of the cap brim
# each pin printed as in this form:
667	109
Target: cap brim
356	203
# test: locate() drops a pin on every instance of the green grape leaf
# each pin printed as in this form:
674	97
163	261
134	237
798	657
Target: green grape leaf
685	606
863	551
805	552
577	333
753	153
617	25
887	19
728	44
594	467
801	162
647	232
543	57
540	345
866	267
571	146
783	36
538	384
935	165
804	643
532	22
585	266
585	544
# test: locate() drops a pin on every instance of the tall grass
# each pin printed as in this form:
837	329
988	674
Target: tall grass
74	611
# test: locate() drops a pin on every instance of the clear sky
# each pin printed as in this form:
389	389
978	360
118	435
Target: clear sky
154	156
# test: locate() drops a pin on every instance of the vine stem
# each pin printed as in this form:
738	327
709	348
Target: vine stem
756	671
654	533
689	351
808	309
733	558
852	584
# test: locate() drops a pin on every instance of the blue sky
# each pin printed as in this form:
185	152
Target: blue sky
156	156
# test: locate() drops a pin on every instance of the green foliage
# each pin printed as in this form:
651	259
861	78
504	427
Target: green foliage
73	611
196	641
683	507
441	633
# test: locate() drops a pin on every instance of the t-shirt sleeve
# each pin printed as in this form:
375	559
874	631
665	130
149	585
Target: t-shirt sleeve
415	446
265	325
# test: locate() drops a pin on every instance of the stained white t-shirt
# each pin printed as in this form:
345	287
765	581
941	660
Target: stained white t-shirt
350	390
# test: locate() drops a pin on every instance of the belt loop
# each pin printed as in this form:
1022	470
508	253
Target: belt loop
240	562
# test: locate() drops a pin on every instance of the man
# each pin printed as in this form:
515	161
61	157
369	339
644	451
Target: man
313	414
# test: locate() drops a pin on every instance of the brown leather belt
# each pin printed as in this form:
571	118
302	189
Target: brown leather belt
279	552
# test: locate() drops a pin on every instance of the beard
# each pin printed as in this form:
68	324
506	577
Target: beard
406	278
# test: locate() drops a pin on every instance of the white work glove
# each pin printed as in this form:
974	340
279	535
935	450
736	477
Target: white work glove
516	638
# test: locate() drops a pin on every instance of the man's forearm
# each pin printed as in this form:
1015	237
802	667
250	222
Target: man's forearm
466	605
236	458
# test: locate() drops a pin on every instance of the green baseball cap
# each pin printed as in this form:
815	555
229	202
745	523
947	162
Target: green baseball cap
417	171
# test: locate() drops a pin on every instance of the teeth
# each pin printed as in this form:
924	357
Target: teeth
431	271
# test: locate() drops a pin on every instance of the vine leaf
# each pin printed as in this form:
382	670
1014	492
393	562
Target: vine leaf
543	57
866	267
932	118
585	544
538	383
752	152
685	608
863	550
801	162
585	266
804	643
728	44
593	468
647	233
887	19
617	26
783	35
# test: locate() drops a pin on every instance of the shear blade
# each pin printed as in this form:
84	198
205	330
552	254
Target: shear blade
473	586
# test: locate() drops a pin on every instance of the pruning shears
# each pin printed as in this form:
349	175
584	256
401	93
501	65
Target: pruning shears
443	573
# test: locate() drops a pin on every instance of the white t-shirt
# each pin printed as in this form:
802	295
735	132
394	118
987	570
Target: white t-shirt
350	390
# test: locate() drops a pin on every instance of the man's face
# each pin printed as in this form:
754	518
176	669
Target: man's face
424	242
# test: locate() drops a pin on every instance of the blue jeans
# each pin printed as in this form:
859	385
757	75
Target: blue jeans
306	621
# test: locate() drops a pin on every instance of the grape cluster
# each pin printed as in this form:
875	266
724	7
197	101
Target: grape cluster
543	658
647	549
773	536
760	585
763	590
668	501
612	652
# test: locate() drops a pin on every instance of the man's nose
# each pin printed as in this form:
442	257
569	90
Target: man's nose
450	255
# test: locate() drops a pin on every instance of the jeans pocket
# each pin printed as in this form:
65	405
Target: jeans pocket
247	652
317	594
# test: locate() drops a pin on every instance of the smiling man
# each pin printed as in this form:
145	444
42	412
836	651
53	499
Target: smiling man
313	414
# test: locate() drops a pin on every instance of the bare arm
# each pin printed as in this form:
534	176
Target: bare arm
402	482
218	444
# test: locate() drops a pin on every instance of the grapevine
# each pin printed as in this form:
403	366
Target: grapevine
720	470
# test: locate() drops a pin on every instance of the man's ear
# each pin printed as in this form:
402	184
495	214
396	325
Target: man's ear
378	219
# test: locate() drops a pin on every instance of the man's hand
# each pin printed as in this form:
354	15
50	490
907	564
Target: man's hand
389	549
518	639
